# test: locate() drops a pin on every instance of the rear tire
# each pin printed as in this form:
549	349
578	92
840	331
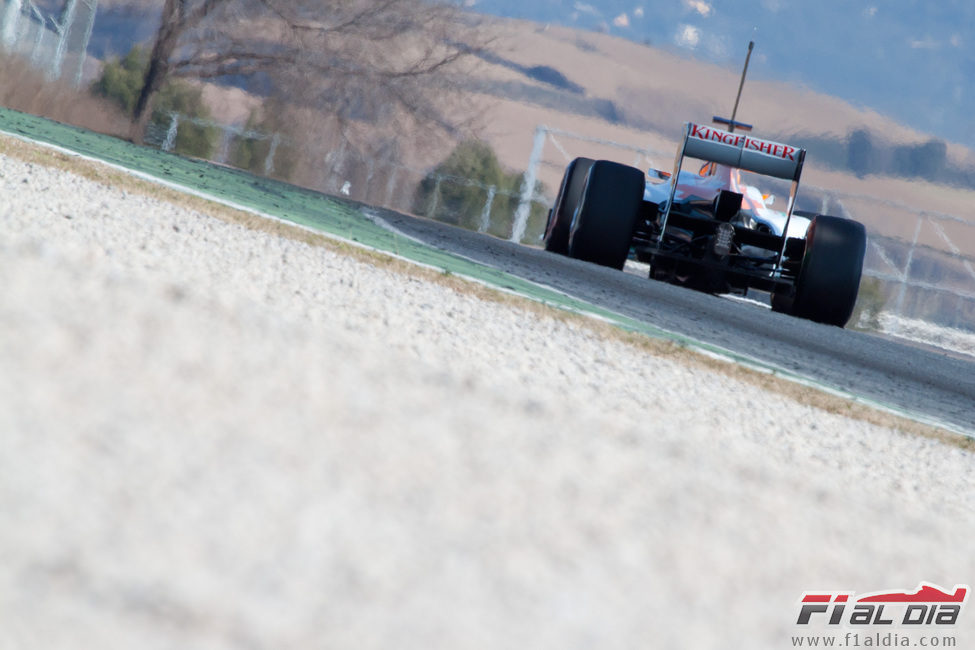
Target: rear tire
829	278
560	216
604	220
781	301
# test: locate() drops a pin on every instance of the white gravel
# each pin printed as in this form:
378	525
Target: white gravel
215	438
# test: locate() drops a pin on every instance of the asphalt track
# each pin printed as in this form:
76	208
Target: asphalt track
905	377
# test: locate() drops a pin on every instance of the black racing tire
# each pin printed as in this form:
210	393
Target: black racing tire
560	216
603	222
829	278
782	301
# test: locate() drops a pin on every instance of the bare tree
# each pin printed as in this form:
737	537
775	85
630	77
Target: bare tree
368	60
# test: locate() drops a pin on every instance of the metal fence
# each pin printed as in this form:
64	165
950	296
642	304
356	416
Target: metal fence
461	201
56	43
924	259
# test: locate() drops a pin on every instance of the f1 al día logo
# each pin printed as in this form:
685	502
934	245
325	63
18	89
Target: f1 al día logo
929	604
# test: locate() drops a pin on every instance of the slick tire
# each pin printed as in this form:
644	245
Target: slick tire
560	216
604	220
829	278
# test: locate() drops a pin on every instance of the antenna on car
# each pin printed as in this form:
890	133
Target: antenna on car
734	112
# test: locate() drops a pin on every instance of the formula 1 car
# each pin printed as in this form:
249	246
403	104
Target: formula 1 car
710	229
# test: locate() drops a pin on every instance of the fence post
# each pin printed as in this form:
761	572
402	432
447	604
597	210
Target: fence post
391	186
89	27
226	139
67	17
371	171
434	198
269	161
899	309
337	161
528	188
11	20
170	140
486	213
35	53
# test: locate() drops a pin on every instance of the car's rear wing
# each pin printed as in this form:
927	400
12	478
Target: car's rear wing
743	151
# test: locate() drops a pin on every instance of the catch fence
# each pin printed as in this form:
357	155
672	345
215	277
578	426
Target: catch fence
55	42
465	202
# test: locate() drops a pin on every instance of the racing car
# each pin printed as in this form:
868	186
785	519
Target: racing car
709	228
